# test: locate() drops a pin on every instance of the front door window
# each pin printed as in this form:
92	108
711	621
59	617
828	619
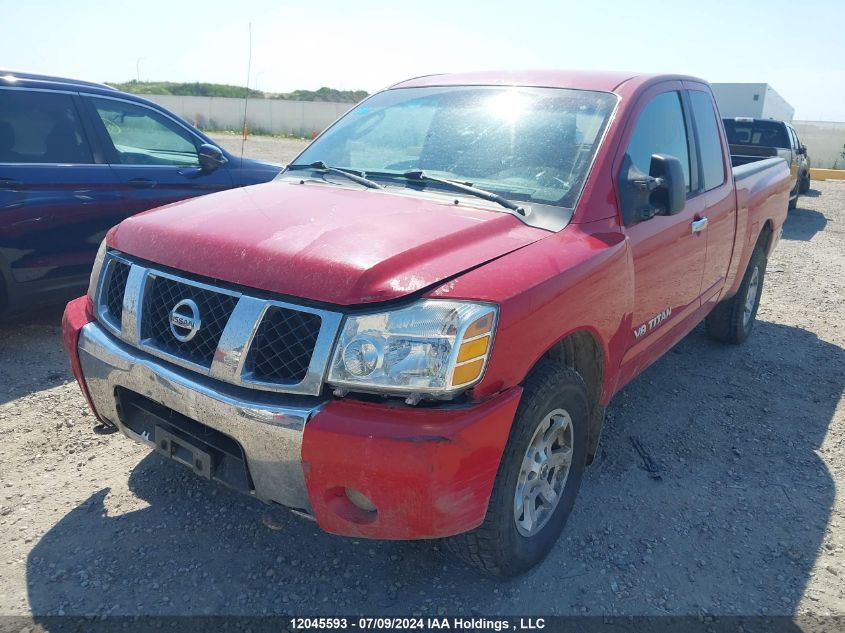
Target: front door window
141	136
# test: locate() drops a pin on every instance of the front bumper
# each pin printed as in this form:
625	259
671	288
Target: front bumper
428	472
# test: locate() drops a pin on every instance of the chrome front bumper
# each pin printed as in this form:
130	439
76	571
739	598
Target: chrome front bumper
268	426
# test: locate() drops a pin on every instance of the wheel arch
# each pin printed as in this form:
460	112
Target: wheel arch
766	237
583	351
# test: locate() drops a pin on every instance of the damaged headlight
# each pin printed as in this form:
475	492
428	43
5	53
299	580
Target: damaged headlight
433	347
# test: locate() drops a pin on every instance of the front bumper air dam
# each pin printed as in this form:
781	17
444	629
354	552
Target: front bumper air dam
428	472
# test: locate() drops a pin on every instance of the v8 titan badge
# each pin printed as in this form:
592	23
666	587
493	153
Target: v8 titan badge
652	323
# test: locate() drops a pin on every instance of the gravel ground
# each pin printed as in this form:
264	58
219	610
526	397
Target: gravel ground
747	516
270	148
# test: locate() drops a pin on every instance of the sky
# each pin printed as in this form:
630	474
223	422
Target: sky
796	47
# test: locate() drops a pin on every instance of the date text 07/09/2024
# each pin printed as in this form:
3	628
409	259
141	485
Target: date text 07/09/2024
418	623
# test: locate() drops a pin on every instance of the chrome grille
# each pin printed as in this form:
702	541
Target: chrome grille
115	285
161	295
283	344
242	339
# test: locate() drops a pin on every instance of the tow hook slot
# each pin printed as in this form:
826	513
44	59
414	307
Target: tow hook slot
178	450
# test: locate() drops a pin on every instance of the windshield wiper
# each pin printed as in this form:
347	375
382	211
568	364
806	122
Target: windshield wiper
421	176
321	166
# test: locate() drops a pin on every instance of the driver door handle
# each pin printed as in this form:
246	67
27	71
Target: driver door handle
699	225
141	183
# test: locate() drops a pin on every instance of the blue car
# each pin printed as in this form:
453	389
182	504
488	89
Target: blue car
76	158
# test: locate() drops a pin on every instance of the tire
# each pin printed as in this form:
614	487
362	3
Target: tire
793	195
730	322
498	546
804	187
4	298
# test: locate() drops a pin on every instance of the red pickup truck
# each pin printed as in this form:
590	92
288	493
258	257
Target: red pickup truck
414	331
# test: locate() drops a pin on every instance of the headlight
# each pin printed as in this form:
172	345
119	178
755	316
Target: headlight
95	272
433	347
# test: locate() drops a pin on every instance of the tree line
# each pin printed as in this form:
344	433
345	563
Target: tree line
203	89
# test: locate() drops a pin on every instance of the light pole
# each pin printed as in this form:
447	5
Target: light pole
138	69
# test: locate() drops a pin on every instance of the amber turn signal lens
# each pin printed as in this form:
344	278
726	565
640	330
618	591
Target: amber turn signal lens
473	349
467	373
479	326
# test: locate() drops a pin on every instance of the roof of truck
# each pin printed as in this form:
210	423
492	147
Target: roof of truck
606	81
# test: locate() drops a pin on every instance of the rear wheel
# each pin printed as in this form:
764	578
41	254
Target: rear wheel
538	478
732	320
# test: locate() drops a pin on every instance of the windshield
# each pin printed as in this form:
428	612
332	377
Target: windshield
758	133
527	144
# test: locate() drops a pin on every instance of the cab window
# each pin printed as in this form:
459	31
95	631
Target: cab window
142	136
759	133
661	129
709	140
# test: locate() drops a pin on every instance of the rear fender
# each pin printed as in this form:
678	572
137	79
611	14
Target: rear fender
762	198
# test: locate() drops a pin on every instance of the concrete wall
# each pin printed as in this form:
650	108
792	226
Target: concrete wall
824	140
273	116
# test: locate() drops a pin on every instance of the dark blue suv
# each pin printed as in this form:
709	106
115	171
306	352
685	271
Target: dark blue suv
76	158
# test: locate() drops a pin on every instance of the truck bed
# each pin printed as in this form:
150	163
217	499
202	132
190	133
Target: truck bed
762	191
744	154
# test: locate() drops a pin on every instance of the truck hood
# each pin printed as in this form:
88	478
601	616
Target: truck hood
323	242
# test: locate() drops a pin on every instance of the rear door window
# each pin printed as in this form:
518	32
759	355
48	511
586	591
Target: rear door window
142	136
709	140
661	129
41	127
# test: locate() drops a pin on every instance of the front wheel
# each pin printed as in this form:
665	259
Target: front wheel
538	478
4	301
804	187
793	195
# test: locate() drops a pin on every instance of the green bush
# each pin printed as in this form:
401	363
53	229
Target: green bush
201	89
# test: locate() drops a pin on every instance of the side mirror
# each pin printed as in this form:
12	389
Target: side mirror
802	150
211	157
660	192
